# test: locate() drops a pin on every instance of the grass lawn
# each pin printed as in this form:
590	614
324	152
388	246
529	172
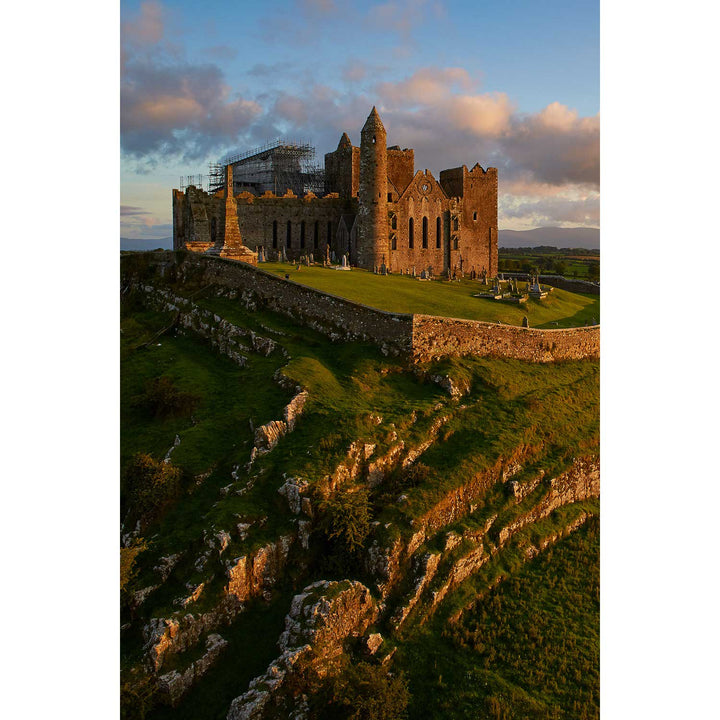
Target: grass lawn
401	293
528	649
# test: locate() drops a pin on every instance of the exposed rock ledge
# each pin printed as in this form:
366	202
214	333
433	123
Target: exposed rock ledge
174	685
248	576
267	436
321	618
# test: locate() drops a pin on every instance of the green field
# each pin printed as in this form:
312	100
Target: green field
568	264
401	293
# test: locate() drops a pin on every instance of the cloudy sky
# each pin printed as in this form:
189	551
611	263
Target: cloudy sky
511	84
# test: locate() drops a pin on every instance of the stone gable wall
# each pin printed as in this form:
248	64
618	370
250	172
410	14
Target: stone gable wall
418	205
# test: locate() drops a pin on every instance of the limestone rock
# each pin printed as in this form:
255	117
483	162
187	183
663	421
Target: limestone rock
251	576
293	489
294	409
373	643
319	621
166	565
268	436
173	685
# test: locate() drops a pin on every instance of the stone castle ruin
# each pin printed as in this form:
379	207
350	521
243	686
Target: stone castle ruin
373	207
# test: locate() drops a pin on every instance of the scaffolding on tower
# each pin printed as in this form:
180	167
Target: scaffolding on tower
278	166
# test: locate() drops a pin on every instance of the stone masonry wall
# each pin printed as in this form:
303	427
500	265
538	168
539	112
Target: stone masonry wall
422	337
436	337
329	314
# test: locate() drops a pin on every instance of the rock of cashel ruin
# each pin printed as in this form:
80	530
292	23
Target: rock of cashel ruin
369	203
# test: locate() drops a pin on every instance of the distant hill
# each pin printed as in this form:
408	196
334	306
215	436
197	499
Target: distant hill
558	237
135	244
588	238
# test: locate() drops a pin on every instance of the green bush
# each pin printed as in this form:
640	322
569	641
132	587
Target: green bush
162	399
128	556
363	692
149	486
345	519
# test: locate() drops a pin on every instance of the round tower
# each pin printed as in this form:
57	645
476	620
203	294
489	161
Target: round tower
372	230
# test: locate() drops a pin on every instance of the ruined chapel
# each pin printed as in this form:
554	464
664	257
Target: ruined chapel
371	206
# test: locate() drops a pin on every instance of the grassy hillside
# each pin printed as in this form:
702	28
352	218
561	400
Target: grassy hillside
544	414
402	293
529	649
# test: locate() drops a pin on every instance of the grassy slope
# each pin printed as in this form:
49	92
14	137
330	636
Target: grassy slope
401	293
530	649
510	403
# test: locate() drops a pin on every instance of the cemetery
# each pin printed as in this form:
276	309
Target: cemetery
511	301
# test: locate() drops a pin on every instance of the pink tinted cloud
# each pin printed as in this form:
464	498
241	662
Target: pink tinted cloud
170	106
426	86
147	27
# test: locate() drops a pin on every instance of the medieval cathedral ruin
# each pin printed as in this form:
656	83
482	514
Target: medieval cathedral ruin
369	204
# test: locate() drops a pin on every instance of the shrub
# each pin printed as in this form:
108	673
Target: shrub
128	555
149	486
346	519
137	696
415	475
162	399
363	692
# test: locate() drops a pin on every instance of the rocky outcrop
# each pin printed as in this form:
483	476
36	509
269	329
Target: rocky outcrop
248	576
461	570
254	575
529	551
230	340
172	635
414	453
424	573
454	389
173	685
580	482
385	563
320	620
267	436
463	500
378	469
294	409
293	489
382	562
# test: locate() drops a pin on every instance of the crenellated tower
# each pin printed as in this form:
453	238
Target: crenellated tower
372	227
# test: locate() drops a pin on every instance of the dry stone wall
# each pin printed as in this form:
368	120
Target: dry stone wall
436	337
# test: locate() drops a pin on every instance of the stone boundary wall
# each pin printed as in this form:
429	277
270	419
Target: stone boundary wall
421	337
330	314
435	337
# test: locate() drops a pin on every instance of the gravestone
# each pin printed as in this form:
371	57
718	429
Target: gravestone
344	261
525	322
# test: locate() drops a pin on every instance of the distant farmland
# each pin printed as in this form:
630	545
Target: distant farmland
570	262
